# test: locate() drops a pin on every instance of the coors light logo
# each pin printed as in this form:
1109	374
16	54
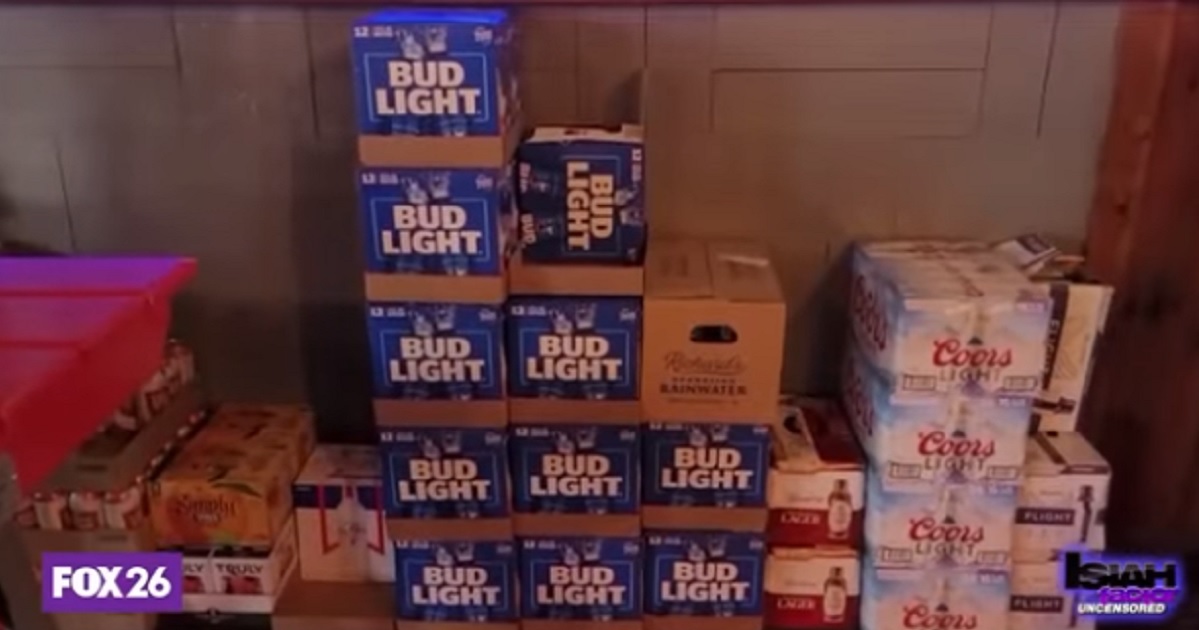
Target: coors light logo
972	361
953	451
867	308
925	617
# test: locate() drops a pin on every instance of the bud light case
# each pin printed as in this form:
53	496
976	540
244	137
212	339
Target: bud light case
428	72
452	222
705	465
704	574
423	351
444	473
568	347
581	195
595	579
456	580
569	469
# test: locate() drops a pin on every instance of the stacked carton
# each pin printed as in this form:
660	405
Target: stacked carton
947	353
712	356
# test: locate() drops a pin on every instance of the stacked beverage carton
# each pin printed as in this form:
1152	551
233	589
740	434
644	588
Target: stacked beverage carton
438	122
947	354
711	362
574	330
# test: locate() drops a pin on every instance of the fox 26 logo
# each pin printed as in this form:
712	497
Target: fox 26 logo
1126	587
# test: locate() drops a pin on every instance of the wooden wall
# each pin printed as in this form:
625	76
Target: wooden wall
225	133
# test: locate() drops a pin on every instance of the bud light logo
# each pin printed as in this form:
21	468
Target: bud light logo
704	574
455	581
706	464
435	351
444	473
597	579
429	73
439	222
574	348
562	469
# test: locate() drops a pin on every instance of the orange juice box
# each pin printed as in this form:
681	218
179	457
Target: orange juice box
286	428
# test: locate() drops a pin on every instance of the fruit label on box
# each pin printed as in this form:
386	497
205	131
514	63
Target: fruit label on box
704	574
565	347
581	194
911	599
596	579
455	581
704	464
451	222
436	351
560	469
444	473
432	72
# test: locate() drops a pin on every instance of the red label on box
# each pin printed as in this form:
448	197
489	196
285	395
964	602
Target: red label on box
811	611
810	528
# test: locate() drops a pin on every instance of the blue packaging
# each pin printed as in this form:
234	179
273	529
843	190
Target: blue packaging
719	465
704	574
428	72
452	222
568	347
595	579
455	581
569	469
425	351
581	195
444	473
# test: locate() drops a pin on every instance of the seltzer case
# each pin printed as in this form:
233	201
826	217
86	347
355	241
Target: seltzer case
812	588
935	320
816	487
1038	602
914	599
1063	500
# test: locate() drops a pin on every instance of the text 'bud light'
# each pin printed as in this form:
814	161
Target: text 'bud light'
704	573
444	473
597	579
472	581
576	469
581	348
705	464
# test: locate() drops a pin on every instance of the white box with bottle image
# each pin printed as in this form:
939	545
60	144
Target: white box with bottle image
1063	500
812	588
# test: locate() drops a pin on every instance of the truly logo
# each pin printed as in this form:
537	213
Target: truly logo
125	582
596	579
444	473
435	351
455	581
576	469
706	464
574	348
705	573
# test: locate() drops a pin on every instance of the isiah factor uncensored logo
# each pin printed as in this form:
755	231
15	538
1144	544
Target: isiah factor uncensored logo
435	351
574	347
596	579
705	464
704	573
455	581
425	72
575	469
435	221
444	473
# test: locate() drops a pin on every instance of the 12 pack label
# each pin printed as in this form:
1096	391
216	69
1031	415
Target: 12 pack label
433	72
455	581
596	579
581	194
704	574
444	473
705	464
560	469
427	351
452	222
581	348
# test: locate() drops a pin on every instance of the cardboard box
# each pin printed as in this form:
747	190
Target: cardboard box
453	585
435	89
1063	500
812	588
340	527
905	598
704	580
308	605
571	581
1038	602
1075	326
816	487
714	326
287	429
705	476
526	277
238	579
582	480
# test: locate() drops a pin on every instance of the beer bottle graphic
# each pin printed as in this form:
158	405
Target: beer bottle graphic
836	596
840	511
950	503
944	593
955	467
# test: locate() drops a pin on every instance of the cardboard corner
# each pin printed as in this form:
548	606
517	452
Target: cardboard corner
440	151
672	518
556	525
576	412
411	287
528	278
480	529
481	414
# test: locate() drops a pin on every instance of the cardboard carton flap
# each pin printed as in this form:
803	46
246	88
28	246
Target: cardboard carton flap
742	272
731	270
677	268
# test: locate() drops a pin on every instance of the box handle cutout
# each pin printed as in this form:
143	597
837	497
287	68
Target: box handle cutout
713	333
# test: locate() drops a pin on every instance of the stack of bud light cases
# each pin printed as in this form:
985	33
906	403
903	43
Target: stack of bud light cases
966	514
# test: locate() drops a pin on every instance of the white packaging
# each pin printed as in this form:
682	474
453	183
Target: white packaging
1063	499
914	599
1078	317
1038	603
936	319
339	520
238	580
812	588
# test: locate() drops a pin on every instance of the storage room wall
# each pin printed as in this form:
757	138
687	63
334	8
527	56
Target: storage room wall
226	134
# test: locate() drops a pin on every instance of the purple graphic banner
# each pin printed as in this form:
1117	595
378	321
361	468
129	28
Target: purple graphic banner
112	582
